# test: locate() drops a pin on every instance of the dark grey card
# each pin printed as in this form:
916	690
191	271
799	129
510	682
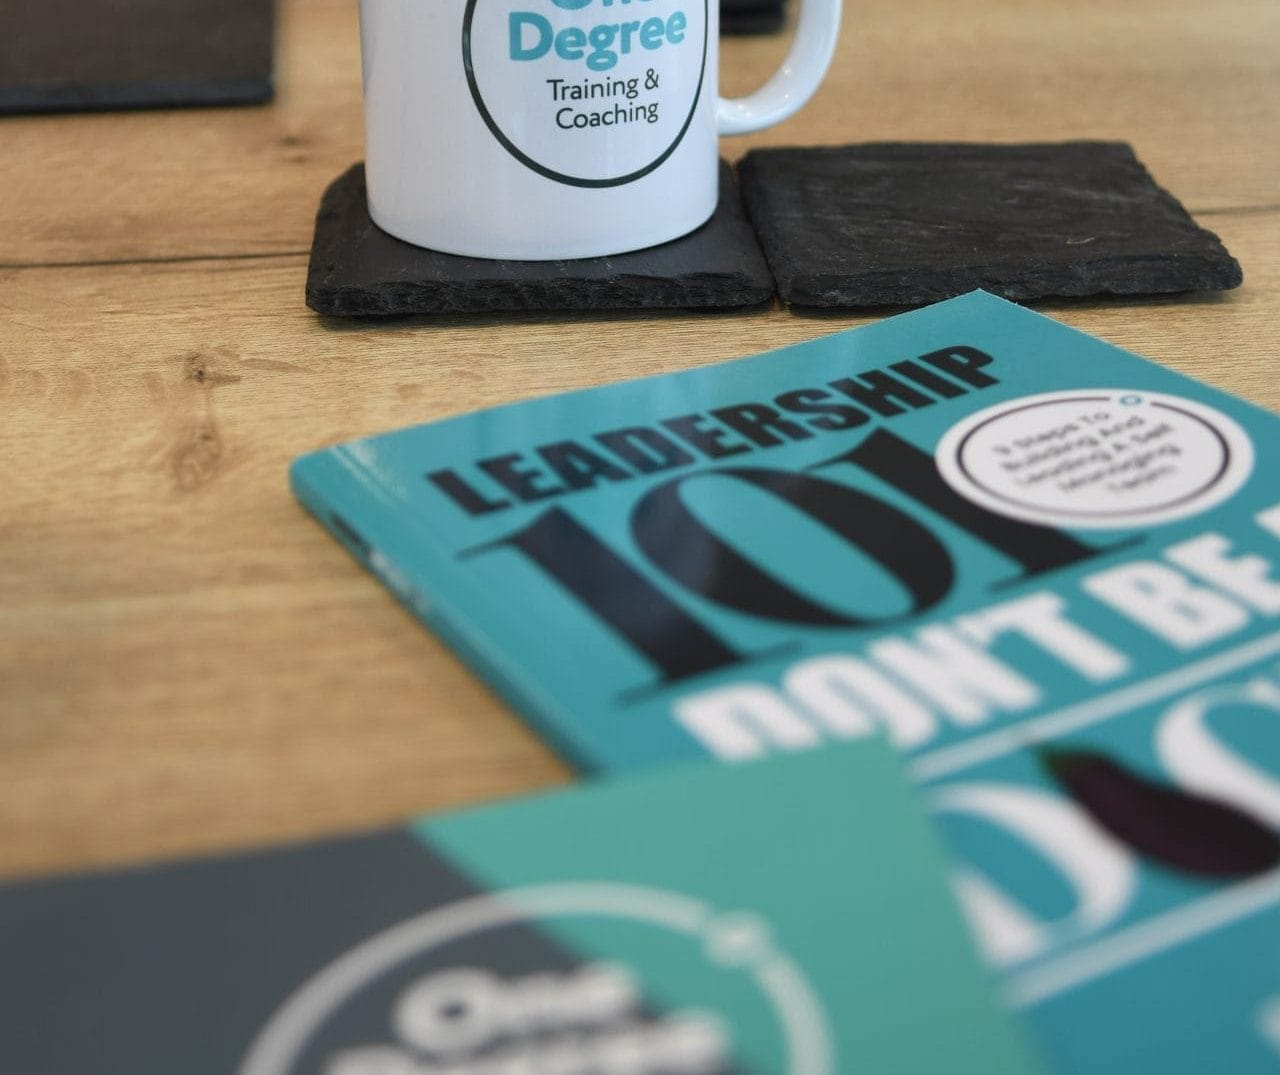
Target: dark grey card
176	968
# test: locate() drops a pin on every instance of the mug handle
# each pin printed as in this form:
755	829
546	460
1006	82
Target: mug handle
793	83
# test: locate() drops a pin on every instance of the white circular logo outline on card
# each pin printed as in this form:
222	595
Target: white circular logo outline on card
732	938
967	459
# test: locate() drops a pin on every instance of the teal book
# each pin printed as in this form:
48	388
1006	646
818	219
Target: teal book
1044	567
787	917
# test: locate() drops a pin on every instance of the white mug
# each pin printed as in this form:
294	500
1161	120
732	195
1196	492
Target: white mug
547	129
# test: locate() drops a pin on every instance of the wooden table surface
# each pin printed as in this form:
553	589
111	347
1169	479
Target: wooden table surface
187	661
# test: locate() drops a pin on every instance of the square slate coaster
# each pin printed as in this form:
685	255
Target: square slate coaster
69	55
358	270
903	224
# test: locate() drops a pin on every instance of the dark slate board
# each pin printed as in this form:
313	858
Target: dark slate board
78	55
358	270
903	224
752	16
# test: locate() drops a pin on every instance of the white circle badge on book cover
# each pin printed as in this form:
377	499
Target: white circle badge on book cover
548	129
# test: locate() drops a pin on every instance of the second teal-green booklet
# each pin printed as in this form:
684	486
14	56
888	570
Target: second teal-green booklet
1044	566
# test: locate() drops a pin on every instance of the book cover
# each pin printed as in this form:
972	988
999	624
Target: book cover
1044	566
788	917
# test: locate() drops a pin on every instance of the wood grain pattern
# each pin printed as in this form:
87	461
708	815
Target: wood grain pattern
187	661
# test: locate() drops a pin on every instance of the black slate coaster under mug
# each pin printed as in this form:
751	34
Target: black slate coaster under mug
72	55
903	224
358	270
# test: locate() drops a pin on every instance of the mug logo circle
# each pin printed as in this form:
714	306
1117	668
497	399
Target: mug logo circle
573	177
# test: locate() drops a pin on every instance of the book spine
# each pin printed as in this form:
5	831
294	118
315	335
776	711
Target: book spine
360	498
